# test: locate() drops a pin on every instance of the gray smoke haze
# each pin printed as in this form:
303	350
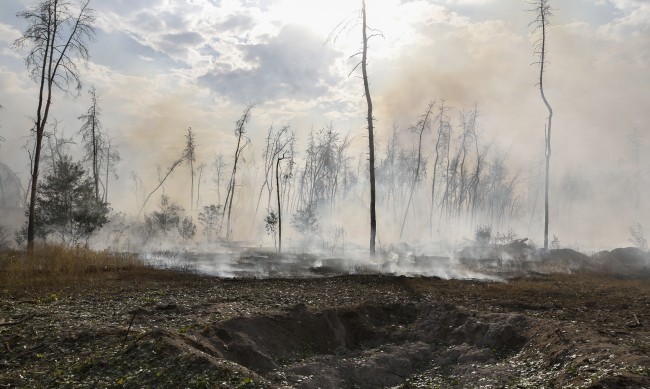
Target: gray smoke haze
160	68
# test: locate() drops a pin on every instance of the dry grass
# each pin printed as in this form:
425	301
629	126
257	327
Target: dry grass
56	265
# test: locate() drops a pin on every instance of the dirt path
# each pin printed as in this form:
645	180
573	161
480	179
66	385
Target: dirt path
340	332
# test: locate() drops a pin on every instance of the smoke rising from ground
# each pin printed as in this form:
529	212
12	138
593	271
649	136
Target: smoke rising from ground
469	55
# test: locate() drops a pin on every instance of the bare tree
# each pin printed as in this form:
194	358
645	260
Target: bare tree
161	182
371	132
363	63
542	10
388	177
324	165
423	124
58	146
99	149
242	142
277	141
162	179
201	168
111	158
286	155
92	137
442	139
189	155
56	38
217	168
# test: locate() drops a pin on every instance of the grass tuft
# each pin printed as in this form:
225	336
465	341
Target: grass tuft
57	265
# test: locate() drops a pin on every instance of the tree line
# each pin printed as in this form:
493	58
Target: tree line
439	171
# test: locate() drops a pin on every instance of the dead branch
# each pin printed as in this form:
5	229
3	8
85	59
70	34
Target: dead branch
128	330
171	169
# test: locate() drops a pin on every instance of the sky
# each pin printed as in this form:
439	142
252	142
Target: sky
161	66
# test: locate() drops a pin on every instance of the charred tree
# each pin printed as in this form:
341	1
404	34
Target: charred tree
441	139
423	124
201	168
100	153
161	182
111	157
242	142
287	154
542	10
325	162
371	132
276	143
56	38
93	138
365	37
218	167
189	155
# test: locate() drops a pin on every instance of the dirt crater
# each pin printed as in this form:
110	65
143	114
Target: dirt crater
367	346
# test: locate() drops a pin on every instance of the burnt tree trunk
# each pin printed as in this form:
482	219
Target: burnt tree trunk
371	140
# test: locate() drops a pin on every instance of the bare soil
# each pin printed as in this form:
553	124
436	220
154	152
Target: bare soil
167	329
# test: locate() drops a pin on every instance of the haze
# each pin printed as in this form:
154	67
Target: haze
162	66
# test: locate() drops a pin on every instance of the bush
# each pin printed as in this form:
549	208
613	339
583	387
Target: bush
483	234
187	228
305	220
66	206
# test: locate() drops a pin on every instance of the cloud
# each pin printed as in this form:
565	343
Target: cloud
180	42
634	20
294	64
8	34
237	23
125	54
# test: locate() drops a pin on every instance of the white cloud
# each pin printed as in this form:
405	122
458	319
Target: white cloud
8	34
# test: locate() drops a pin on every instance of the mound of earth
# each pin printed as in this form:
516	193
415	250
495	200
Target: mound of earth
364	331
627	261
519	256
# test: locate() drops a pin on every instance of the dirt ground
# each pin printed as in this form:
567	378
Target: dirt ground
166	329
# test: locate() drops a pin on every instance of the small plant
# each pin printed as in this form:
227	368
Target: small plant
555	243
504	237
246	382
337	240
271	226
20	236
50	298
184	329
483	234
